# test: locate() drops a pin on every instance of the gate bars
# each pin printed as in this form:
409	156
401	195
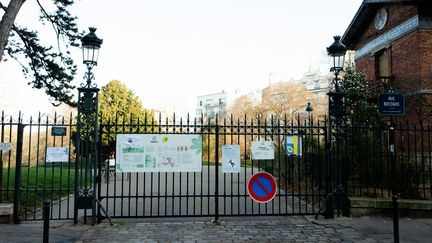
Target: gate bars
166	194
23	168
211	193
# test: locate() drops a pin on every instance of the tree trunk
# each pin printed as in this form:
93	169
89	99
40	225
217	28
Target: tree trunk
7	22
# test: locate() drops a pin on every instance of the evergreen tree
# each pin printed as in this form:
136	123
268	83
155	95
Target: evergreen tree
49	68
119	105
359	108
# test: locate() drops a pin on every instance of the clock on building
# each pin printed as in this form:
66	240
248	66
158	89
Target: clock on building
381	18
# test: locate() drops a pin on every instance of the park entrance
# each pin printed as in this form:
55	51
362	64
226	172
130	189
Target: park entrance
210	192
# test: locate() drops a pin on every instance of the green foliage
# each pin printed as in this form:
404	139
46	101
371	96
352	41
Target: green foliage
116	99
49	68
359	109
119	105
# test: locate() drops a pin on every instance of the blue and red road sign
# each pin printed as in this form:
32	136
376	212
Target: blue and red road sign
262	187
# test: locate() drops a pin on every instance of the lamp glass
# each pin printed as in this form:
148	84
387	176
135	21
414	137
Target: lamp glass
338	61
90	54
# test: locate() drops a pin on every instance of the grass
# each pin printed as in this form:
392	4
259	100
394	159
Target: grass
39	183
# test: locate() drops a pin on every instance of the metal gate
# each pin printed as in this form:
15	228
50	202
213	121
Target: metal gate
211	193
28	179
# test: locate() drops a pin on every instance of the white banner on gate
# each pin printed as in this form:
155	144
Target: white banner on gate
158	153
230	158
262	150
5	146
57	154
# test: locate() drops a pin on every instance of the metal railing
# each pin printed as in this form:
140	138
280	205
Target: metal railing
302	184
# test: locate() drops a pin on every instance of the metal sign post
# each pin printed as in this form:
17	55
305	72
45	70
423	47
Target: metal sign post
392	103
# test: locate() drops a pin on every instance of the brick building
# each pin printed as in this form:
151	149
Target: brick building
393	44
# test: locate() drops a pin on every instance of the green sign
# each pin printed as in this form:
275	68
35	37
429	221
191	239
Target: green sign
58	131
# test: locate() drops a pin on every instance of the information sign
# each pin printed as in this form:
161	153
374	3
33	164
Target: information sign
230	158
57	154
158	153
294	145
262	150
58	131
5	146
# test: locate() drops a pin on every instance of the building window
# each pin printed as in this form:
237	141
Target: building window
382	64
200	102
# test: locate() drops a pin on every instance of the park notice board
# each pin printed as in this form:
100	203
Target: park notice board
158	153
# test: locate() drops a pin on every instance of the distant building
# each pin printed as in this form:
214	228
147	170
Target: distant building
316	82
208	106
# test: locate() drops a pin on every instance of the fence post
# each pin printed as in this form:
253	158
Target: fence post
329	212
392	149
1	176
46	218
217	172
17	192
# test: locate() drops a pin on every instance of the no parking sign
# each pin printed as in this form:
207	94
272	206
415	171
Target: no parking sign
262	187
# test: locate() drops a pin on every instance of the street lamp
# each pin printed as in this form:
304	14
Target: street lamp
87	132
90	49
337	52
337	169
309	110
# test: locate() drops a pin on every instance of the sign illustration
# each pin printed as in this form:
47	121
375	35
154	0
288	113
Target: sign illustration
294	145
230	158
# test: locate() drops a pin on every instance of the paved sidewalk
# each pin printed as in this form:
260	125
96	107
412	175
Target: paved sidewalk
242	229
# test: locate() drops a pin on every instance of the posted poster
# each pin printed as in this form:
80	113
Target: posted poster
57	154
5	146
158	153
230	158
262	150
294	145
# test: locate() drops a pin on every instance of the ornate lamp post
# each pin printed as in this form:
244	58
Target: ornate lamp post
309	111
337	180
87	131
90	48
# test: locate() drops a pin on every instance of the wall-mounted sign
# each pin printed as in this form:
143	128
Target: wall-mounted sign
158	153
391	103
58	131
57	154
230	158
5	146
262	150
294	145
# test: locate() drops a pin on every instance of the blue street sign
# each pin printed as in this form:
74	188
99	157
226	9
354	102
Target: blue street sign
391	104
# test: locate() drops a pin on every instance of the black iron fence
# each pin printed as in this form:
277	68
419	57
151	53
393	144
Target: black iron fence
27	179
369	160
24	169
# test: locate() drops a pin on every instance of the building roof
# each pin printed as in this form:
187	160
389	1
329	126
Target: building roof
368	10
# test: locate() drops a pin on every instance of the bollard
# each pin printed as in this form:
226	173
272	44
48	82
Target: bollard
46	218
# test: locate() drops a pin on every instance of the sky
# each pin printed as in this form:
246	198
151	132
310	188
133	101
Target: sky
171	51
